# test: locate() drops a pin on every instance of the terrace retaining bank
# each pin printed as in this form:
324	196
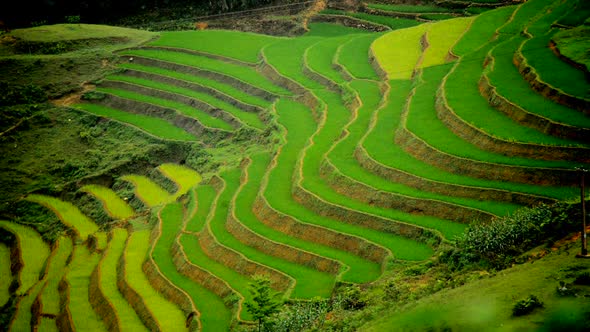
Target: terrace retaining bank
545	89
236	261
194	87
487	142
479	169
317	234
529	119
189	101
423	206
222	78
189	124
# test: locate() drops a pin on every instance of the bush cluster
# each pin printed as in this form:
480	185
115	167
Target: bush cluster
18	95
526	306
499	241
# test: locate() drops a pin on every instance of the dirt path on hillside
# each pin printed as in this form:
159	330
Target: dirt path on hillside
73	98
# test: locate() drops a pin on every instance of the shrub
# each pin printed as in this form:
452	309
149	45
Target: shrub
352	298
526	306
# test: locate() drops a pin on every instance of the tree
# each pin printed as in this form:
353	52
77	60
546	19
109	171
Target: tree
265	301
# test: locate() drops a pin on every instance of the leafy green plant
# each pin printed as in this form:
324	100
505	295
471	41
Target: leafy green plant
526	306
264	301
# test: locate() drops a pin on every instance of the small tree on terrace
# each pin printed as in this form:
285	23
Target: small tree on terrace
265	301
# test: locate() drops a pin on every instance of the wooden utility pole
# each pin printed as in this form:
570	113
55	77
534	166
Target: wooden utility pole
582	171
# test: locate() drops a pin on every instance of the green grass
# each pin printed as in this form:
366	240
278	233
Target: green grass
128	319
248	118
398	64
342	157
201	80
354	56
577	15
320	56
409	8
393	23
437	17
114	205
47	324
246	74
168	316
204	118
5	273
486	304
465	100
202	196
395	157
547	65
441	38
309	283
68	213
215	316
573	43
73	32
287	57
279	194
21	321
147	190
78	277
552	70
423	122
34	253
154	126
184	177
57	265
482	29
510	84
232	44
331	30
337	117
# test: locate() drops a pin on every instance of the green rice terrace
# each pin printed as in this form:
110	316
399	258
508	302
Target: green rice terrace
341	166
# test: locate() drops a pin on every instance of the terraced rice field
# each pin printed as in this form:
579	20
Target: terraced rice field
5	274
333	155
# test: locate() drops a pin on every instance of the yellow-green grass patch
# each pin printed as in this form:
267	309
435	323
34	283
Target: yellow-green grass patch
184	177
441	38
147	190
128	319
57	265
5	273
21	321
68	213
114	205
47	324
153	126
215	316
168	316
101	240
232	44
34	252
78	277
203	117
397	52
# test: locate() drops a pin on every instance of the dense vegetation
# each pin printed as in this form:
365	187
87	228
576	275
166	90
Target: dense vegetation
199	180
